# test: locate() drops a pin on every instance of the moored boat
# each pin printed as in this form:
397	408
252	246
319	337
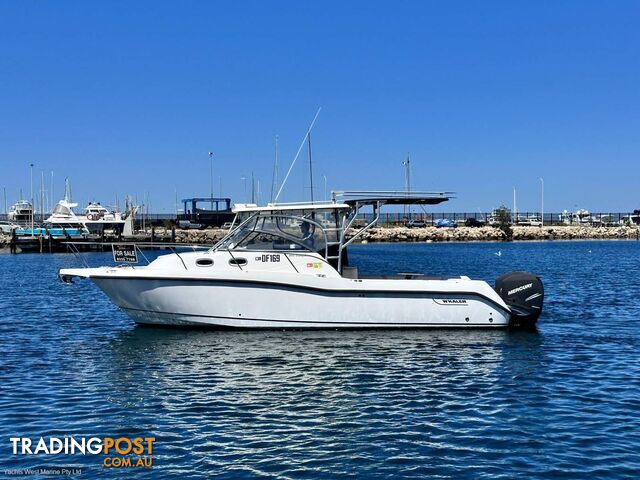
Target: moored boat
20	212
96	217
286	266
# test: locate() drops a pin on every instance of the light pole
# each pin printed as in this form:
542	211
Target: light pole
244	179
542	201
211	191
32	208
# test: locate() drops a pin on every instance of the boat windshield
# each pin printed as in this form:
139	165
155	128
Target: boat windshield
275	231
61	209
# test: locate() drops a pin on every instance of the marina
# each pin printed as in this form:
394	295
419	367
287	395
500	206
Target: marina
319	241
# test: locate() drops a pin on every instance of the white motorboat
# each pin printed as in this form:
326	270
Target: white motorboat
20	212
7	228
96	218
580	217
286	266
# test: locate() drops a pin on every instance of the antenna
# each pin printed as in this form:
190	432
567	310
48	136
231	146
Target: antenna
67	190
310	166
274	177
297	154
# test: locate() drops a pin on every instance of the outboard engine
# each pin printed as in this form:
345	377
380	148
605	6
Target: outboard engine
524	294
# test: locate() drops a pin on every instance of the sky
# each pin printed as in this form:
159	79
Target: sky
128	98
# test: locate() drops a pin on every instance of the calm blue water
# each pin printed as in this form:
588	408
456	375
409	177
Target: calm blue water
563	402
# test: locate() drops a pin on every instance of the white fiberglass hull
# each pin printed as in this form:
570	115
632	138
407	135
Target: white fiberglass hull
250	303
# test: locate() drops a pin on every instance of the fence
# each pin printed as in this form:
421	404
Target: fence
399	218
611	218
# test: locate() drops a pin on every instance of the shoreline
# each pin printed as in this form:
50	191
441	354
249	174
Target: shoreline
459	234
427	235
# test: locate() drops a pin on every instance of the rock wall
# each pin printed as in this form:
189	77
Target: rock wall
204	237
470	234
460	234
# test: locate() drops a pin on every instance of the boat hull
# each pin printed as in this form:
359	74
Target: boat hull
255	304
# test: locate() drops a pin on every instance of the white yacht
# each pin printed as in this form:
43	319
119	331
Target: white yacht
96	218
580	217
286	266
20	212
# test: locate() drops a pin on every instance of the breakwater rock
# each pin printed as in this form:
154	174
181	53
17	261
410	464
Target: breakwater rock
203	237
471	234
460	234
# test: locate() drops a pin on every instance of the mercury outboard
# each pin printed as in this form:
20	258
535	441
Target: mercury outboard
523	292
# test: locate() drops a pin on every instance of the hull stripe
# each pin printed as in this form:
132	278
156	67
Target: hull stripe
326	291
329	324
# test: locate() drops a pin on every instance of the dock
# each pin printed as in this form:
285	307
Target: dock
86	243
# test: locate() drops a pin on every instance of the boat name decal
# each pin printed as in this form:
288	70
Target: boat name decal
450	301
520	288
268	257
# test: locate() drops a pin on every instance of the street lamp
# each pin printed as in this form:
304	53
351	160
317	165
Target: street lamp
542	202
33	210
211	191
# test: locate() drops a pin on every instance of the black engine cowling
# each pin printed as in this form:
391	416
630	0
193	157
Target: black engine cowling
523	292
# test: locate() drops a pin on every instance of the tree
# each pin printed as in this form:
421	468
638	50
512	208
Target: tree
503	215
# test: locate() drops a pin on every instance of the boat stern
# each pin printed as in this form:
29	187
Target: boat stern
523	293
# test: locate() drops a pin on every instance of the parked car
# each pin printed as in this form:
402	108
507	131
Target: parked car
187	225
472	222
416	224
445	223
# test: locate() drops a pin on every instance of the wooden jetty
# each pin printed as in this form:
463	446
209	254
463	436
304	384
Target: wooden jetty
48	243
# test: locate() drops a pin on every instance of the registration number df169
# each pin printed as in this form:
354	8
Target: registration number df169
269	257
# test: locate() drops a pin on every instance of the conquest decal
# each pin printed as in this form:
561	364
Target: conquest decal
519	289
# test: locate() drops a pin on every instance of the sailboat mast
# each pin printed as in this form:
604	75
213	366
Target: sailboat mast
42	194
310	166
253	189
51	197
274	176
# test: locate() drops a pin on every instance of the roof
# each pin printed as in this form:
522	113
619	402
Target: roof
350	198
278	207
390	197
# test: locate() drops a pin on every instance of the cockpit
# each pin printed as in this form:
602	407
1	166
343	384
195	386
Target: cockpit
310	230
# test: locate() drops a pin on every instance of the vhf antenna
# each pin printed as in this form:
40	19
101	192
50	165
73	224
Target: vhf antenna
297	154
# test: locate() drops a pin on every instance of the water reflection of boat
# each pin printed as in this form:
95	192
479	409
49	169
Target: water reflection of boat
281	266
